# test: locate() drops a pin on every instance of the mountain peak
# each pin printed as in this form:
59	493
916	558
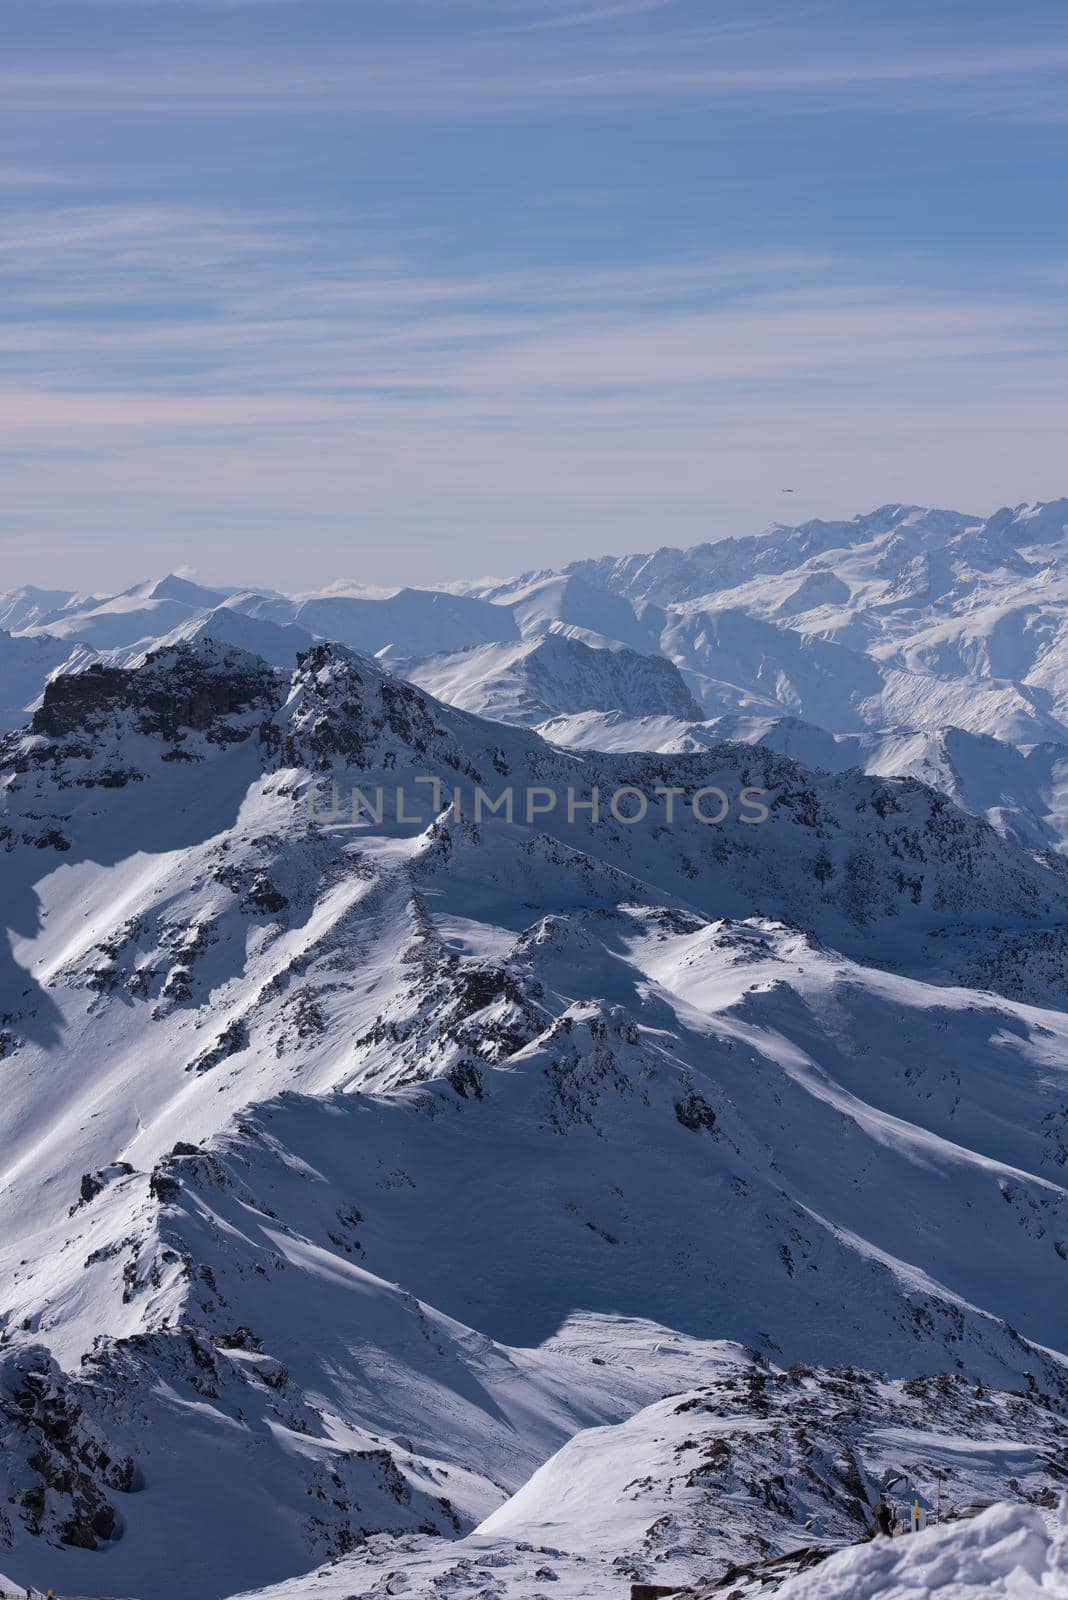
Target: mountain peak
187	686
173	587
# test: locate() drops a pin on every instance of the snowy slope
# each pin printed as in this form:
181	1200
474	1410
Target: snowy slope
552	674
387	1156
21	608
902	620
413	1197
1007	1552
277	643
930	617
587	611
140	614
1022	792
737	1476
669	575
25	665
412	623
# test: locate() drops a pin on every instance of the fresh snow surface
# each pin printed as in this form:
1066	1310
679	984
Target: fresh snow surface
387	1157
898	623
1022	792
556	673
557	601
1007	1553
25	666
413	1201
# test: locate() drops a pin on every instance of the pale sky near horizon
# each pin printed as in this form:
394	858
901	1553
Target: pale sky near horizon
412	289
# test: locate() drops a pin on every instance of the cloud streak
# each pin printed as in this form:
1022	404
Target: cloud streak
90	296
606	13
481	79
627	407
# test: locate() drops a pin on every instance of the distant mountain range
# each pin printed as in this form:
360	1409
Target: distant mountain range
902	619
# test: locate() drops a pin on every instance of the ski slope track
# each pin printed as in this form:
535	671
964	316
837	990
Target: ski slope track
401	1199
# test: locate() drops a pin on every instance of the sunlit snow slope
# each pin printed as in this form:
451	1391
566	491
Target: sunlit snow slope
352	1167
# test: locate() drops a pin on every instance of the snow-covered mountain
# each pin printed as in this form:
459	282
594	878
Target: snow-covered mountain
900	621
729	1479
873	549
904	618
493	1079
544	602
22	608
142	613
353	1166
411	624
25	665
555	674
1021	791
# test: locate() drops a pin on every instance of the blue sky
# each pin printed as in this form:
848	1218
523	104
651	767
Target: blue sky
413	289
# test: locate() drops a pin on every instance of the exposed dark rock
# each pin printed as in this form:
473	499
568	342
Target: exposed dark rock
72	1465
695	1113
177	689
233	1039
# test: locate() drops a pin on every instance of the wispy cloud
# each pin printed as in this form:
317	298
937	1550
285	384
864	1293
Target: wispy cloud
635	403
481	78
198	5
606	13
110	299
31	177
609	333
